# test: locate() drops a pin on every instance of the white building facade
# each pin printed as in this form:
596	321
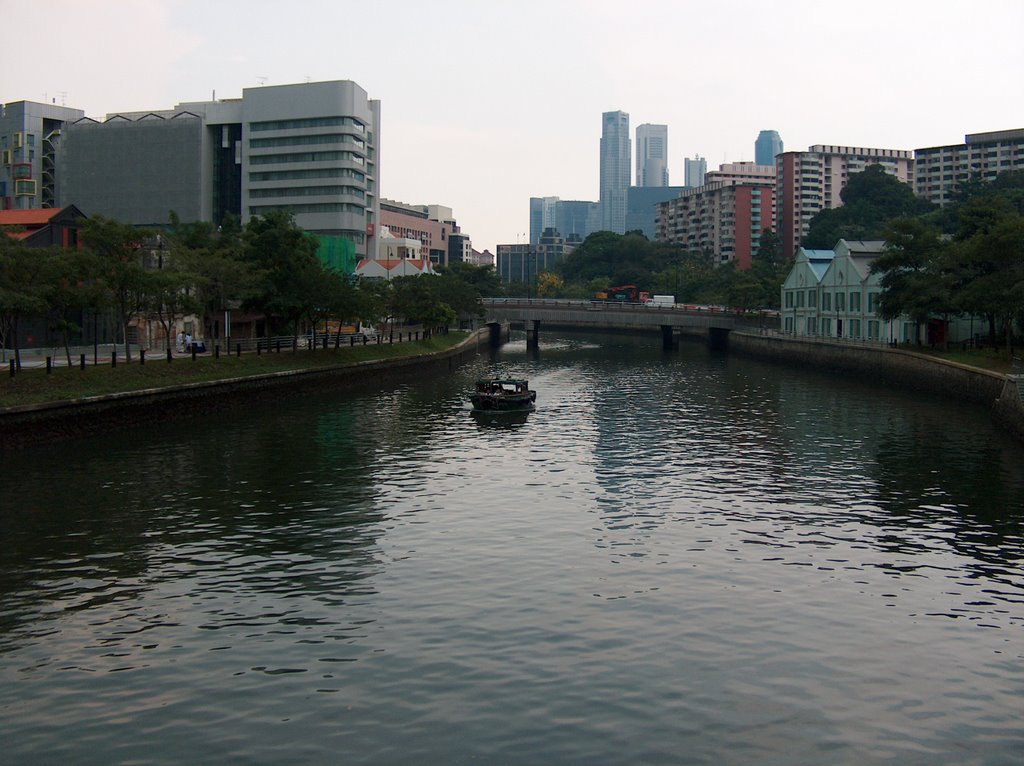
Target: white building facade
939	170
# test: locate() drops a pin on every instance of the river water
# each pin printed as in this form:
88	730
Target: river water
679	557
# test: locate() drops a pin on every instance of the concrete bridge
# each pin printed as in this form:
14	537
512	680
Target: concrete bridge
713	322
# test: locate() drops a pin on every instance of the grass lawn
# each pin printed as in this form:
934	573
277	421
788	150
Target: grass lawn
995	360
34	386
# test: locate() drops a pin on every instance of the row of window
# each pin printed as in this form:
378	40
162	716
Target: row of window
293	175
320	138
309	122
829	328
795	299
306	191
276	159
321	207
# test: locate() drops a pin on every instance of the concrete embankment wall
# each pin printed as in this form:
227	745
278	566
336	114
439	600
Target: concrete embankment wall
897	367
43	423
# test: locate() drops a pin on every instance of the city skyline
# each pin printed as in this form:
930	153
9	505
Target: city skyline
466	125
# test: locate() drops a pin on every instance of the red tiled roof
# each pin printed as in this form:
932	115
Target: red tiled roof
34	217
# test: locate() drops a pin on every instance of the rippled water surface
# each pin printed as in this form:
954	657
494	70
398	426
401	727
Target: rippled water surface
677	558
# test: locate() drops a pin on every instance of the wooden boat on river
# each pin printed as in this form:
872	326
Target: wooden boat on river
502	395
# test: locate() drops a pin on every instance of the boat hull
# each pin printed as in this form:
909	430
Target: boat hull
488	403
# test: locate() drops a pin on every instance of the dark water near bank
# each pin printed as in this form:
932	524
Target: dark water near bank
677	558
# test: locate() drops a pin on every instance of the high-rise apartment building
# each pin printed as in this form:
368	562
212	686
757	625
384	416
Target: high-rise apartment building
615	161
695	170
767	147
808	182
939	170
723	218
30	135
652	155
311	149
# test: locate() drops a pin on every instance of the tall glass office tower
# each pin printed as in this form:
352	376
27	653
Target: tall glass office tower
615	160
767	146
652	155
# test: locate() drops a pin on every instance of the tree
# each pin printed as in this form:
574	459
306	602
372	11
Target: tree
549	285
483	278
66	289
284	262
769	248
117	248
993	259
915	273
220	277
21	291
171	296
416	299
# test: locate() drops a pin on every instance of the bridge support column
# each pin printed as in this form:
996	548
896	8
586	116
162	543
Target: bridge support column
533	333
669	341
718	339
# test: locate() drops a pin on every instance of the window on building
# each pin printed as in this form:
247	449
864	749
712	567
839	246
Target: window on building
789	299
872	329
800	299
812	299
872	302
854	301
789	325
826	301
855	328
826	326
840	301
812	326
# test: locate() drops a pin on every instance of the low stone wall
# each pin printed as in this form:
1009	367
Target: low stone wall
897	367
39	424
1009	407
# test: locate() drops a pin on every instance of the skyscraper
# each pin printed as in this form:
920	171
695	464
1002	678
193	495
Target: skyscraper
695	170
652	155
615	155
767	146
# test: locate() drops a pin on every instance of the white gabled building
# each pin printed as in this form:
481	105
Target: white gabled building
833	294
801	291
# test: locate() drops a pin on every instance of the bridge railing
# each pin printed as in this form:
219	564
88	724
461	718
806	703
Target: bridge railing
598	305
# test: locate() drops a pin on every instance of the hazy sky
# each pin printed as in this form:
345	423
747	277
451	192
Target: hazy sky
485	104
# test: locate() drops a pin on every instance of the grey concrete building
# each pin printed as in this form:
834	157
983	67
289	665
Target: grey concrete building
312	149
30	138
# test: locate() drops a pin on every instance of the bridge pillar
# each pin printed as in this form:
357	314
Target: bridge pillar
495	334
533	333
668	339
718	339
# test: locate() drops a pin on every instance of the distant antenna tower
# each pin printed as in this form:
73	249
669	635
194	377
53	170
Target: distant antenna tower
261	80
63	97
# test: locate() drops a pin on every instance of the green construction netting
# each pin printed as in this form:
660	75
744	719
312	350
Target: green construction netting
337	253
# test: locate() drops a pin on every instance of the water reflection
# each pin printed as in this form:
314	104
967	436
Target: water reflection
669	537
